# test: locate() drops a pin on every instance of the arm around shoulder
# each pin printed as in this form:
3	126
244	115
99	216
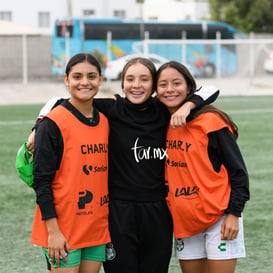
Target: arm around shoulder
204	95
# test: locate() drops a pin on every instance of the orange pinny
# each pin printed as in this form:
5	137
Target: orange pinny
198	195
80	186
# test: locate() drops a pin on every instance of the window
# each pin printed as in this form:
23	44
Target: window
119	31
63	28
6	15
43	19
88	12
119	13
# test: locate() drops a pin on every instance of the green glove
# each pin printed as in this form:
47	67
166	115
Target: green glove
24	164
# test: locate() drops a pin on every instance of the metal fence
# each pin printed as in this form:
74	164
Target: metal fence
28	58
251	52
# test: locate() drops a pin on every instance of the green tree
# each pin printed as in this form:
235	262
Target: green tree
246	15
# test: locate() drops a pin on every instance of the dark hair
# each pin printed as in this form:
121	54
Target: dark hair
182	69
80	58
146	62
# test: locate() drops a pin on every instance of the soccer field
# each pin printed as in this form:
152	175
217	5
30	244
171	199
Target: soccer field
253	115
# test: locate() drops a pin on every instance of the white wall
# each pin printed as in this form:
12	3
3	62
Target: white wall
173	10
105	8
26	11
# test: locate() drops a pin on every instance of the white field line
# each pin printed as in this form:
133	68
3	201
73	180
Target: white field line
16	122
260	171
250	111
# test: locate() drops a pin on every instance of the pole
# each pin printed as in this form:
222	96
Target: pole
184	47
218	55
67	46
251	56
141	21
24	58
109	42
145	47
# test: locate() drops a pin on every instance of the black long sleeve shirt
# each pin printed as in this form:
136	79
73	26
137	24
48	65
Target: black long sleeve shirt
136	154
223	150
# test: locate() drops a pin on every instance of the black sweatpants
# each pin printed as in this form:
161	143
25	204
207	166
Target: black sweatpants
141	235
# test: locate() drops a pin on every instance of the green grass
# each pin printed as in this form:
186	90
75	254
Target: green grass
254	117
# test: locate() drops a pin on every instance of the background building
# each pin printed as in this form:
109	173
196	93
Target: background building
40	15
170	10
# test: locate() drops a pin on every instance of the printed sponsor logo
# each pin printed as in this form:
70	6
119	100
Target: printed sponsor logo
222	247
178	145
104	200
178	164
145	153
110	252
87	169
179	244
85	197
94	148
187	192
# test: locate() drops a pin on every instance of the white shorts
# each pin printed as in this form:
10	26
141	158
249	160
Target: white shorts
208	244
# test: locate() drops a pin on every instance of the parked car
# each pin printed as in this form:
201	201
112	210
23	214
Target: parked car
114	68
268	63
